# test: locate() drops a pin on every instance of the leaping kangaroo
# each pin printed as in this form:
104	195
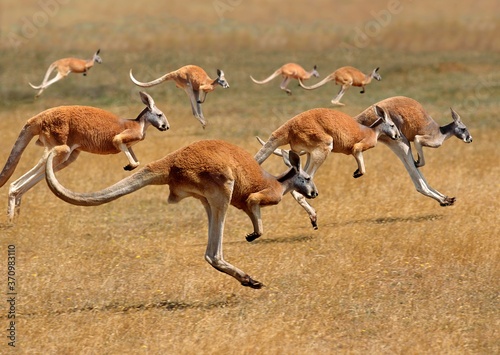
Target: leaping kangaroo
417	126
81	128
216	173
194	81
289	71
317	132
346	77
64	67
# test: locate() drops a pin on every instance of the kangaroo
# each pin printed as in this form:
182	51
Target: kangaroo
194	81
289	71
215	172
82	128
346	77
317	132
417	126
64	67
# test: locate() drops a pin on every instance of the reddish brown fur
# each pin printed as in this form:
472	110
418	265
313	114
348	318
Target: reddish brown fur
321	126
199	78
406	113
294	71
93	129
350	76
206	166
74	65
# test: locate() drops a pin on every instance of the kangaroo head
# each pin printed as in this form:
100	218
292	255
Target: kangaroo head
460	130
96	57
387	126
375	75
302	182
315	72
152	114
221	80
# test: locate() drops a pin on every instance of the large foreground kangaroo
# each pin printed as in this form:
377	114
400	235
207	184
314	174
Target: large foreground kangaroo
215	172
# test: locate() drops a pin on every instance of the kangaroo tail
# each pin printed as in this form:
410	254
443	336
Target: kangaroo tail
123	187
52	67
277	139
150	83
15	155
317	85
271	77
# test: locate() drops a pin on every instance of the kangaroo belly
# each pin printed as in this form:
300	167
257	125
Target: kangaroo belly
103	147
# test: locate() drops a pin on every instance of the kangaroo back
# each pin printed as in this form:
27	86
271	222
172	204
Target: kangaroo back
22	141
406	113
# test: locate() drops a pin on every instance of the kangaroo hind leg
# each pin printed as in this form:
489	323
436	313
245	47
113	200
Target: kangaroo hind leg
19	187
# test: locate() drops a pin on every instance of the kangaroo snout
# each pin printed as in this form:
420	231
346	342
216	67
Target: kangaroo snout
312	194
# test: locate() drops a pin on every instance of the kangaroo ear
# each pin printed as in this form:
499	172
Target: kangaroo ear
293	159
146	99
455	116
285	154
380	112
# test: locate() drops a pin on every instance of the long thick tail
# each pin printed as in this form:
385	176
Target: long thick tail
123	187
150	83
273	75
15	155
270	147
278	151
317	85
46	77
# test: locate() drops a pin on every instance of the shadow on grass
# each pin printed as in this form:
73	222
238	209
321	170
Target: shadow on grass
285	240
388	220
167	305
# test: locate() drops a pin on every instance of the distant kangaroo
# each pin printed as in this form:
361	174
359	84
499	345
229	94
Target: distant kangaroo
64	67
289	71
194	81
346	77
216	173
82	128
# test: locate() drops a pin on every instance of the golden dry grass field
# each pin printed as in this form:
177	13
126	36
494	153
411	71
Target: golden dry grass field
388	272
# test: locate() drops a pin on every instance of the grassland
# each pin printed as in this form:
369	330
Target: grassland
389	270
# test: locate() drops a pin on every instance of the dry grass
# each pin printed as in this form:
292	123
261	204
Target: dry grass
389	271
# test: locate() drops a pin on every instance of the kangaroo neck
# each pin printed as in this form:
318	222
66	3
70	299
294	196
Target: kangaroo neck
447	130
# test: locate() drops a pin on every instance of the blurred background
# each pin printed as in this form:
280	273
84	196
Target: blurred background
388	271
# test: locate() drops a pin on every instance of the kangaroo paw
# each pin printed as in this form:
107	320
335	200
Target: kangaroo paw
252	236
130	167
448	201
249	282
314	222
357	174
